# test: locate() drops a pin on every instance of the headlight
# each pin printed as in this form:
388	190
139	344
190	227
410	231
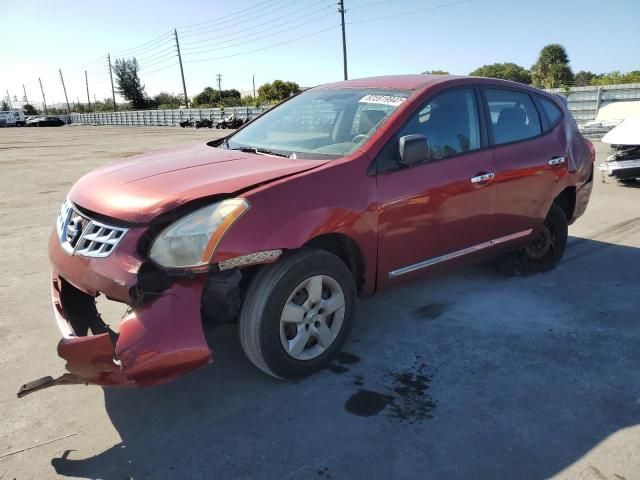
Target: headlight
191	241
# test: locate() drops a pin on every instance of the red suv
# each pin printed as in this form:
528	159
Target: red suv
342	191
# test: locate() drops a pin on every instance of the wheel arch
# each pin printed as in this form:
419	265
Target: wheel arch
345	248
566	200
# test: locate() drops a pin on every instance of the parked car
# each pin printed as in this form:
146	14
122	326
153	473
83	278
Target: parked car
12	118
282	230
624	162
46	121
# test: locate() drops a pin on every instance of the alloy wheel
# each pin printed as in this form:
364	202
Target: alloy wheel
312	317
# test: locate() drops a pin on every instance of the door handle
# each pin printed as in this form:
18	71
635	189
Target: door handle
556	161
483	177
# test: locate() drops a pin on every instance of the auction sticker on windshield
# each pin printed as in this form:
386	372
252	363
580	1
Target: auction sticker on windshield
392	100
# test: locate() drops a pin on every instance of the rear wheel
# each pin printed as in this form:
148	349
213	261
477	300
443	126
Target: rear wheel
542	253
297	314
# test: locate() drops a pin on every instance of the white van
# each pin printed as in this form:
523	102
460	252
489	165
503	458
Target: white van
12	118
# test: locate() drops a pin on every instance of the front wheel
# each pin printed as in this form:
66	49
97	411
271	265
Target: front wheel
298	313
542	253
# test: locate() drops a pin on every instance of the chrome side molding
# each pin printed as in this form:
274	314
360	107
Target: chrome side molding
459	253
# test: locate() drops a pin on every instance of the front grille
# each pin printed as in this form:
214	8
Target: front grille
81	235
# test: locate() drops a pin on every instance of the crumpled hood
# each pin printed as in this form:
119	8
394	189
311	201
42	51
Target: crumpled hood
140	188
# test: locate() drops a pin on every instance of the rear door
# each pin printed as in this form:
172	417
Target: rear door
529	162
439	210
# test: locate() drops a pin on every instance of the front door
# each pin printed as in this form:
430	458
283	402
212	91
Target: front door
442	209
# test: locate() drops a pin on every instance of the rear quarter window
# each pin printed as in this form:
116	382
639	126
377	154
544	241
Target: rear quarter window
551	110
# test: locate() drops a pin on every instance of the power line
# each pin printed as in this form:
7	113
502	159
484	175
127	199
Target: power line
143	67
143	45
157	55
150	49
252	8
267	47
355	7
245	35
260	37
160	69
231	17
386	17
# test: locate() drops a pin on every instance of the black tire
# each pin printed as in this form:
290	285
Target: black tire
543	253
259	324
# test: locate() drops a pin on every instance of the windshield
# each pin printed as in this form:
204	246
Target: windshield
319	123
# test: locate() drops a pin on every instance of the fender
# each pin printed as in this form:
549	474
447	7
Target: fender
288	213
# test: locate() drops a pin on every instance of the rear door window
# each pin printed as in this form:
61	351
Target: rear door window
514	116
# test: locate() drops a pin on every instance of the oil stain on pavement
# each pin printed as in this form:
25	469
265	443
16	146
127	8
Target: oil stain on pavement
342	360
430	311
407	398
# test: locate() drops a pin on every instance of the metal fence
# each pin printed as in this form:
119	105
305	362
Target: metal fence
161	118
584	102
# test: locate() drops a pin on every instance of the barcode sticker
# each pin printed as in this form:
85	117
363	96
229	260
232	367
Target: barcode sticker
392	100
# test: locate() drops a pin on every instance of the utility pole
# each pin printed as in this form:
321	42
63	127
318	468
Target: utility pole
344	38
254	86
86	80
65	91
184	85
44	100
113	92
219	77
25	94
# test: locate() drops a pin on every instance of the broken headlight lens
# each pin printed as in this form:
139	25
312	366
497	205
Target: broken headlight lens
191	241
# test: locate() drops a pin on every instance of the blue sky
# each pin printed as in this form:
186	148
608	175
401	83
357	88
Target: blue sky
40	36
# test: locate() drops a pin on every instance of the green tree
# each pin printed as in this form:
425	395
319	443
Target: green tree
29	109
4	105
277	91
165	101
552	68
435	72
616	77
128	81
105	105
505	71
211	97
584	78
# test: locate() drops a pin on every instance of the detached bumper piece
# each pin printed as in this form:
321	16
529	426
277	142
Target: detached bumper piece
157	342
624	163
46	382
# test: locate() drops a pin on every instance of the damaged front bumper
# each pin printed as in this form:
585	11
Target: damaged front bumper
158	340
624	162
622	169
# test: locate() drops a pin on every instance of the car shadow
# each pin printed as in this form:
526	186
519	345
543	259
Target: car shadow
465	375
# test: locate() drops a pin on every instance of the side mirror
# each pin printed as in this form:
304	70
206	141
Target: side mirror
414	149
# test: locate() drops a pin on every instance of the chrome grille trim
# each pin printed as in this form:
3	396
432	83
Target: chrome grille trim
81	235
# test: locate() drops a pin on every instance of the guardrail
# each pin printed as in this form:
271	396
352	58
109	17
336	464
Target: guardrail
584	102
162	118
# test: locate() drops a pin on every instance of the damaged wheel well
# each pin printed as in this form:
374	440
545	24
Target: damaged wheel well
346	249
567	201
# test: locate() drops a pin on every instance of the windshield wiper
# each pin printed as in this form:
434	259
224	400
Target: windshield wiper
261	151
